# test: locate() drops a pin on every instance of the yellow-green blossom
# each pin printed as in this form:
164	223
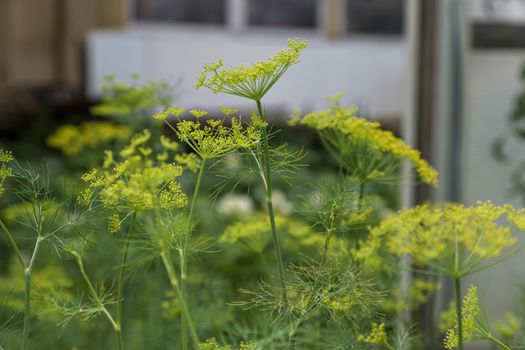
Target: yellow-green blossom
470	311
253	233
227	111
213	138
431	234
74	139
129	100
188	160
114	223
5	171
362	146
254	81
377	335
136	180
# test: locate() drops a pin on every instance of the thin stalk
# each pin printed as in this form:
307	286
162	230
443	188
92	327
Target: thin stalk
498	342
275	237
184	254
27	292
361	194
95	295
457	285
18	254
329	234
120	287
168	265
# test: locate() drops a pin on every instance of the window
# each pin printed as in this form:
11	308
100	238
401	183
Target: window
201	11
375	17
283	13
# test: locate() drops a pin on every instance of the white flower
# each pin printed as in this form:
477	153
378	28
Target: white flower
281	204
235	204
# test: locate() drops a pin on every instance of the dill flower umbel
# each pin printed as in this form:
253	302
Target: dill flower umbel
213	138
135	180
377	335
254	81
362	146
73	139
131	100
5	158
434	234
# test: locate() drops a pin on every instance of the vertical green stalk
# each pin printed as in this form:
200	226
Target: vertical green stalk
168	265
27	292
120	287
269	203
457	289
184	255
457	285
275	237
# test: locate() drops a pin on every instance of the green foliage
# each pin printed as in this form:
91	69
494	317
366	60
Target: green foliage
146	250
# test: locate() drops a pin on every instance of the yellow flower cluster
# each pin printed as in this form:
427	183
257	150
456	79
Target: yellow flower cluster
431	234
470	311
5	158
126	100
73	139
136	181
212	138
253	233
251	82
377	335
362	144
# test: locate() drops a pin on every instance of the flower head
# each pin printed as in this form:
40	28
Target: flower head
135	180
470	312
5	171
362	146
73	139
254	81
213	138
432	235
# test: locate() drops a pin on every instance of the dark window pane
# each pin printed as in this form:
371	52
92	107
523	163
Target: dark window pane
207	11
375	16
283	13
498	36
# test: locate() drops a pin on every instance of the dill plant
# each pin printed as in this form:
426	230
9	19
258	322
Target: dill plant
253	82
128	185
210	140
450	240
46	217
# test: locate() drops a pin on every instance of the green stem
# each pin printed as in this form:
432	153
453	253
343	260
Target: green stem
95	295
27	293
19	256
361	194
275	237
184	254
457	285
168	265
120	287
498	342
269	203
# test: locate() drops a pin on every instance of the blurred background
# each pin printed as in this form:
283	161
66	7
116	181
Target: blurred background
446	75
